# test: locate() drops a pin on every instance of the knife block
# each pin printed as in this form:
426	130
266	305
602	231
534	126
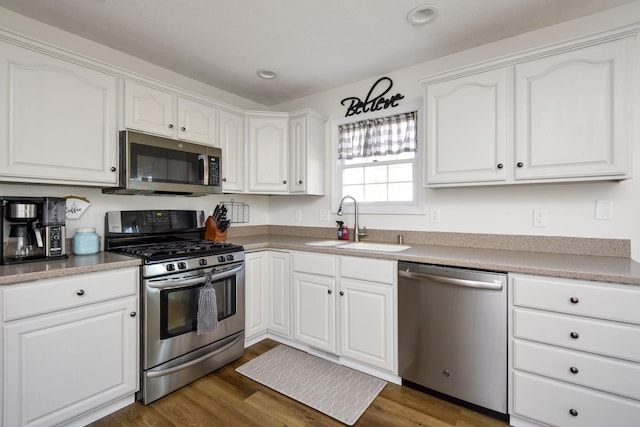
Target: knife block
212	232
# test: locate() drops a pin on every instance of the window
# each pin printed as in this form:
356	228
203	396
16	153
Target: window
378	163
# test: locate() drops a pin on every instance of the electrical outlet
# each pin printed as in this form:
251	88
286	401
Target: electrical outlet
324	215
604	209
540	217
435	215
298	214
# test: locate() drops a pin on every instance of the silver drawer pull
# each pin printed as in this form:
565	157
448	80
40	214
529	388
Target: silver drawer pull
573	370
574	335
573	412
574	300
80	292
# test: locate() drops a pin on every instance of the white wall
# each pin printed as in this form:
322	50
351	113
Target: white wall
102	203
503	209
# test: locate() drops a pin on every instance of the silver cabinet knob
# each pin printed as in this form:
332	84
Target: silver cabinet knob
170	126
133	314
329	291
80	292
113	168
183	128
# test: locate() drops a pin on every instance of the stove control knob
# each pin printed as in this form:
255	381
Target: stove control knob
229	257
203	261
171	267
182	265
221	258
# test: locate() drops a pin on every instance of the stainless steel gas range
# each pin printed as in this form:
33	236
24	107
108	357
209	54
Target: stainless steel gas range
176	262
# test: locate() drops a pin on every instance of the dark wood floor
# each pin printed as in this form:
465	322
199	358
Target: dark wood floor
226	398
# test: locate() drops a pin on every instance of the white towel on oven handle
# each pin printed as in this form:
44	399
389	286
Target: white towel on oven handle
207	321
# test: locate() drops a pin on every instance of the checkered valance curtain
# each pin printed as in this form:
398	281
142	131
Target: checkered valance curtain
378	137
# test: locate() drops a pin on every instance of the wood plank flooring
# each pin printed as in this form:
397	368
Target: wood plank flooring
227	398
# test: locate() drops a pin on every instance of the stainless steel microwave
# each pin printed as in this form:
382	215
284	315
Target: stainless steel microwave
155	165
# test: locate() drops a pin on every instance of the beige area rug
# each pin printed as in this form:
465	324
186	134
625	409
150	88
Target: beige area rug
341	393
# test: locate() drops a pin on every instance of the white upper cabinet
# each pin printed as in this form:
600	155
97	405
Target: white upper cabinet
196	122
466	126
231	138
58	120
572	113
163	113
307	142
268	157
548	116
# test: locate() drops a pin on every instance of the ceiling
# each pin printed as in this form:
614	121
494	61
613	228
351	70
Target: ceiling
312	45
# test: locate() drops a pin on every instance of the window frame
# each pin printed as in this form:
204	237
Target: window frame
381	208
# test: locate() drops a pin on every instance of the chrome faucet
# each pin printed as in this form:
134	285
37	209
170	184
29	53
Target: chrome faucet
356	230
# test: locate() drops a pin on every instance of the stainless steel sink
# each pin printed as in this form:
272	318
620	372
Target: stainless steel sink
380	247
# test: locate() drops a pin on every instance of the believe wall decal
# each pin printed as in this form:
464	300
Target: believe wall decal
373	102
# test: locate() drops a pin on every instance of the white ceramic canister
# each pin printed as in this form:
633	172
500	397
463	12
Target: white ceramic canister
86	241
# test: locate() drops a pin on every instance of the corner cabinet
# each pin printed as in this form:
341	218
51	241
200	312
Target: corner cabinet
574	352
70	347
162	113
231	140
306	169
58	118
551	116
268	295
268	152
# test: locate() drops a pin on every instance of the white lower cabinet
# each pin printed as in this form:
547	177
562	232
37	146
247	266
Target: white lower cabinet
575	352
346	306
268	294
69	359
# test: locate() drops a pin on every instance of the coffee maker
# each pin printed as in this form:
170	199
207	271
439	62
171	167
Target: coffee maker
32	229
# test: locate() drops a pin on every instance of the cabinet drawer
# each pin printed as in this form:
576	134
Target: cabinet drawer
307	262
551	401
602	373
605	301
48	295
596	336
370	269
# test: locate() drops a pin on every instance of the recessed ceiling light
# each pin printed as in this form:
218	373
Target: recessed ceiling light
422	14
266	73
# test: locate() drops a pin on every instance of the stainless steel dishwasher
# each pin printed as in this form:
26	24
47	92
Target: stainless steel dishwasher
452	326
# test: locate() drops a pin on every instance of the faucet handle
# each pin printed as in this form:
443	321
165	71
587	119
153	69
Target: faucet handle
362	231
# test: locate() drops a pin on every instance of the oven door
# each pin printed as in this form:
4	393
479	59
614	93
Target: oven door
171	306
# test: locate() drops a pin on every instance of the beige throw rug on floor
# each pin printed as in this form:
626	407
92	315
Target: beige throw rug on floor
341	393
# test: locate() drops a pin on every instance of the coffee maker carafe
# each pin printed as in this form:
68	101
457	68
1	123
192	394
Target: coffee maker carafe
36	229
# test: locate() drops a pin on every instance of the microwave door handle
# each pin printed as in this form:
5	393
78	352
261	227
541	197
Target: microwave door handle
204	159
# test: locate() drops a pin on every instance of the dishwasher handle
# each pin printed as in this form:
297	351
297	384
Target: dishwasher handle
452	281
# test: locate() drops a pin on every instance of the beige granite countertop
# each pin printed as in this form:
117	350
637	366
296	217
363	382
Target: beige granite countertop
618	269
601	268
75	264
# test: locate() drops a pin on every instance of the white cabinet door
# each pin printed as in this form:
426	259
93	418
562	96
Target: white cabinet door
467	128
307	153
196	122
61	365
279	293
231	138
314	311
268	141
572	114
58	120
149	110
366	327
256	277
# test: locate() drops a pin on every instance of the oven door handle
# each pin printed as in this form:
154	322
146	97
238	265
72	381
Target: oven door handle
169	371
181	283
